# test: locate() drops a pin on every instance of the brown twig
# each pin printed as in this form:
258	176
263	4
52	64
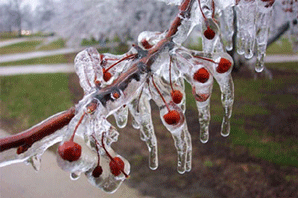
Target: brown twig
27	138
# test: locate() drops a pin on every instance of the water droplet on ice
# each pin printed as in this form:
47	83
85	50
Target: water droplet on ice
75	175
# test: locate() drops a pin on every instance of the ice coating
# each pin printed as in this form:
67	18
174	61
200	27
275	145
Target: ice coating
121	116
246	30
118	84
263	22
227	27
179	131
141	111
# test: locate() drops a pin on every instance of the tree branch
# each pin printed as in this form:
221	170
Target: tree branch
24	140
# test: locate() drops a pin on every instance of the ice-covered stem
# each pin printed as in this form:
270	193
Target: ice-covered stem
24	140
184	10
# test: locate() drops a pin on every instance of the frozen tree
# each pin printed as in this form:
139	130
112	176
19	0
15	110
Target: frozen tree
15	15
123	18
155	68
44	12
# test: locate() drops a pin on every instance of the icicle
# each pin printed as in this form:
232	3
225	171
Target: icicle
121	116
246	12
225	81
35	161
263	23
174	120
201	80
204	119
141	111
202	92
227	27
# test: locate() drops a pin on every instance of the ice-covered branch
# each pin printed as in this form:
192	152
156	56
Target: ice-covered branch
156	69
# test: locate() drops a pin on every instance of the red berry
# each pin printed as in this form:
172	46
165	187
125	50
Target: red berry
202	75
176	96
223	65
70	151
106	76
209	33
97	171
172	117
146	44
116	166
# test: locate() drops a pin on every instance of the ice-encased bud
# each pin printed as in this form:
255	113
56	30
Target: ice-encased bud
148	39
87	68
86	161
107	181
175	124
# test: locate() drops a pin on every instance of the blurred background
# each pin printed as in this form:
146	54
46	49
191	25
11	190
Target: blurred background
38	42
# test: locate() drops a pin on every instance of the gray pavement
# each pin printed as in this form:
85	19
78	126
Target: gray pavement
36	54
36	69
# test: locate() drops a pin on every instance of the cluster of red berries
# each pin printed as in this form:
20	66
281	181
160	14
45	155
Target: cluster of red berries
71	151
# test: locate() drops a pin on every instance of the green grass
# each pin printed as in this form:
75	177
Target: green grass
282	46
30	46
29	99
283	66
57	44
22	47
263	146
89	42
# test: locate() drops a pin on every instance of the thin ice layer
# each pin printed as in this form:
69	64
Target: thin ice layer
263	23
246	31
141	111
160	94
227	27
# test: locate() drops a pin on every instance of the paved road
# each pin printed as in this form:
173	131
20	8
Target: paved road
20	180
37	54
36	69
